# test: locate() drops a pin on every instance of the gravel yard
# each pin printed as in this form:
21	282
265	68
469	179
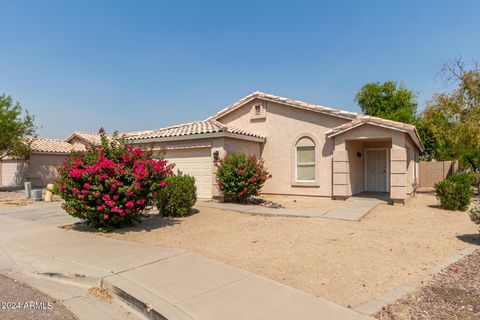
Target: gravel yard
347	262
452	294
14	198
19	301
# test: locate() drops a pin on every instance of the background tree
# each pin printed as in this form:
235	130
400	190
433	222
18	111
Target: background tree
453	119
15	128
388	100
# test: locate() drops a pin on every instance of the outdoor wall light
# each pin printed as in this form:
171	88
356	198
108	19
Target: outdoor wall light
359	154
216	157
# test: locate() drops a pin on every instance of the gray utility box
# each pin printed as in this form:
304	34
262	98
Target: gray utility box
28	189
37	194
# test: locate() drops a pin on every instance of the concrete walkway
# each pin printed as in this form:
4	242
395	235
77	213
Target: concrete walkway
353	209
161	283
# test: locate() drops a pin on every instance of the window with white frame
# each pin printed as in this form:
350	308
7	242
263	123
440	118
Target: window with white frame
305	160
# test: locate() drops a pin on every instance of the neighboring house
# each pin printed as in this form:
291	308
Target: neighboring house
309	149
46	155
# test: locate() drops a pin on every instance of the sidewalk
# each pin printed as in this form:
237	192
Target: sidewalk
353	209
160	282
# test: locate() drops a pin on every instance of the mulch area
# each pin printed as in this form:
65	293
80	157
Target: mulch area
452	294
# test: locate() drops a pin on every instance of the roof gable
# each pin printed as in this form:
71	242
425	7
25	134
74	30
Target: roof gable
361	120
284	101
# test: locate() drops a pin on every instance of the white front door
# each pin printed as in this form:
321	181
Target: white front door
376	170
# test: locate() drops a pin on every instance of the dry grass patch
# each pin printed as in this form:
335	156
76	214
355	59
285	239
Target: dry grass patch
347	262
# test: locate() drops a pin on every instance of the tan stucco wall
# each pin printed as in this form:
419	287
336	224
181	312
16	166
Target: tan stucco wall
283	126
42	168
412	164
13	173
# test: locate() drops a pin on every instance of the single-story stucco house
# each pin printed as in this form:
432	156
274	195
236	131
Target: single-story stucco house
309	149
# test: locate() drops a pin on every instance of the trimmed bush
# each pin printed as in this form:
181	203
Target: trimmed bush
178	196
111	184
240	176
455	192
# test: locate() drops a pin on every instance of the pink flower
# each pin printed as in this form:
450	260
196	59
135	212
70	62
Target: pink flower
87	186
128	193
253	179
130	204
240	171
106	197
162	183
141	201
110	203
100	208
105	216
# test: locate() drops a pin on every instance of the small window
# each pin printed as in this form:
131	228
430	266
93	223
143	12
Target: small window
258	110
305	158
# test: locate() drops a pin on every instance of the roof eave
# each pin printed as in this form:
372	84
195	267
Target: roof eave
222	134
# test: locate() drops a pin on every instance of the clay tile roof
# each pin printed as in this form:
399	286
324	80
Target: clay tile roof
51	146
188	129
364	119
91	137
285	101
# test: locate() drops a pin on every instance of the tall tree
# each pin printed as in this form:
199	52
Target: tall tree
454	118
15	129
388	100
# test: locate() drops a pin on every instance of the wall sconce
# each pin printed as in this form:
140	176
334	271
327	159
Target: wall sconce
216	157
359	154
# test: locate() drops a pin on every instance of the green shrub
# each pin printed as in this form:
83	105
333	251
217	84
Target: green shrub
475	214
178	197
455	192
240	176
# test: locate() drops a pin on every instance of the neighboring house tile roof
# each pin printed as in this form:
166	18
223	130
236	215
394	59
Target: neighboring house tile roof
285	101
189	129
91	137
364	119
51	146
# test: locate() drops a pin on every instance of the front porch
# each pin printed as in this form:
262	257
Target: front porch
373	167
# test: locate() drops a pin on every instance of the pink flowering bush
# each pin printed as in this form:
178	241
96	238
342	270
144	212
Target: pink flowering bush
111	184
240	176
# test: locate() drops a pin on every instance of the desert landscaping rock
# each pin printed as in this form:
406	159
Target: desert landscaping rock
19	301
452	294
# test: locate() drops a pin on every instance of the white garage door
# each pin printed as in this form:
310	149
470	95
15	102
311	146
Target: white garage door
197	163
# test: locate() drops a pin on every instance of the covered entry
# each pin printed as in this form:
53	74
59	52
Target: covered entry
375	155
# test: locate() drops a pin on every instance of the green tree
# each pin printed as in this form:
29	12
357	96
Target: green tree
453	118
15	129
388	100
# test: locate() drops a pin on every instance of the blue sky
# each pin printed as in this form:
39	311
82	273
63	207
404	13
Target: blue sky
132	65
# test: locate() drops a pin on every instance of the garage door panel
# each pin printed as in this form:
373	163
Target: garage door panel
197	163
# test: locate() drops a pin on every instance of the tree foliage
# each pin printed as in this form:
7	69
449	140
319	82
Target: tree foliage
15	128
388	100
453	118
